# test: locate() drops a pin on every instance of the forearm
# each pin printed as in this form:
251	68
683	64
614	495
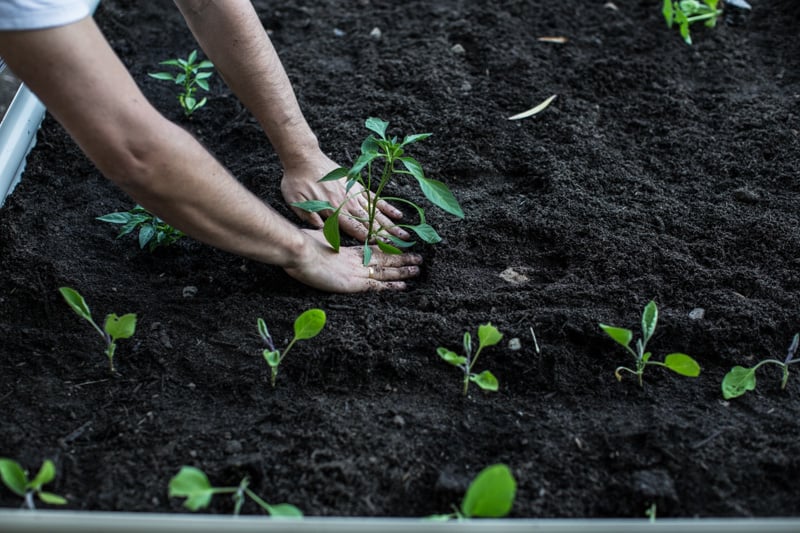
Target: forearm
231	34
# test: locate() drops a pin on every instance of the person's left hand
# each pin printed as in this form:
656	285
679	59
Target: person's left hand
301	183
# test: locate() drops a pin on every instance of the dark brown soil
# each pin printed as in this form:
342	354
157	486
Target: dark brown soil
662	171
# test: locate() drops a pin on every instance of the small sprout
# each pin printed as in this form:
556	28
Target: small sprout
114	328
153	232
190	76
488	335
193	484
306	326
490	495
740	379
391	151
16	479
686	12
650	512
679	363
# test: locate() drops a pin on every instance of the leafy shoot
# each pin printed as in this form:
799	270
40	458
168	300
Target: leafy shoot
191	75
490	495
687	12
153	232
306	326
488	335
740	379
16	479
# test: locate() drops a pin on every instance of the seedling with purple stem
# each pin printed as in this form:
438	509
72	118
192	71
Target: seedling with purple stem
306	326
488	335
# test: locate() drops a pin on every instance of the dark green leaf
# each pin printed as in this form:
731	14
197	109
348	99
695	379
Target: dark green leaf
146	233
335	174
370	145
738	381
426	233
203	84
362	161
400	243
388	248
491	494
377	125
192	57
330	230
438	193
414	138
314	206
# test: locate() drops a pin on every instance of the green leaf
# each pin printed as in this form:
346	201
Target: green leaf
314	206
46	474
330	230
400	243
146	233
76	301
621	335
451	357
362	161
335	174
388	248
414	138
367	253
203	84
668	12
193	484
649	320
370	145
172	63
272	357
488	335
485	380
438	193
262	329
738	381
440	517
377	125
426	233
682	364
309	324
13	476
192	57
52	499
161	76
491	494
189	102
205	64
284	510
120	327
201	103
116	218
203	76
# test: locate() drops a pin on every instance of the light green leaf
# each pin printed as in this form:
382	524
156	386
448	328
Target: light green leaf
284	510
668	12
330	230
388	248
440	517
491	494
426	233
367	253
621	335
649	320
362	161
414	138
193	484
203	84
400	243
120	327
451	357
52	499
488	335
335	174
172	63
203	76
370	145
273	358
682	364
189	102
192	57
485	380
146	233
314	206
76	301
262	329
205	64
309	324
46	474
13	476
377	125
116	218
161	76
738	381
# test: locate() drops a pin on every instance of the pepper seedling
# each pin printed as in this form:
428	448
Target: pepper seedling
153	232
687	12
16	479
193	484
306	326
490	495
391	151
114	328
740	379
190	76
679	363
488	335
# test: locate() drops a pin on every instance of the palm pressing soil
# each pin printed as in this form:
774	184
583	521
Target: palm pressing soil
661	171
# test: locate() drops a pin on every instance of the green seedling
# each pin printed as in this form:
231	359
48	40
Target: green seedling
391	152
114	328
193	484
190	76
687	12
16	479
490	495
487	336
740	379
679	363
153	232
306	326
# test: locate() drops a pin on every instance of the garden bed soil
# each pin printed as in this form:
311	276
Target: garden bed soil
661	171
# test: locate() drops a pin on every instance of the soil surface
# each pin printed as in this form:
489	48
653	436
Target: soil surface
661	172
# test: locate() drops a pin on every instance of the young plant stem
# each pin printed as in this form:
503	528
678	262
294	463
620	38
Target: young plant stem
470	363
784	368
705	16
274	369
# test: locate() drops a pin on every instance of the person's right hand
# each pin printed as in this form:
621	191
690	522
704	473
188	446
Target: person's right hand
342	272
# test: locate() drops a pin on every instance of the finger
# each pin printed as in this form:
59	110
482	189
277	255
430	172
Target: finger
353	227
376	286
381	220
382	273
312	218
389	210
381	260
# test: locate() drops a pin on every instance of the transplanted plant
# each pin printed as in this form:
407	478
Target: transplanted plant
490	495
740	379
191	75
687	12
679	363
306	326
193	484
488	335
16	479
153	232
114	328
368	173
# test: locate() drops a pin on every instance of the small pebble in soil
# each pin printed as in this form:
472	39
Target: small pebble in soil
375	34
399	421
192	386
514	344
697	313
512	276
190	291
233	446
745	195
458	50
338	33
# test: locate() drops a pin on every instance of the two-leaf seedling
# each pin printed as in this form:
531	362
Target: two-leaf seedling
153	232
114	328
306	326
488	335
740	379
193	484
391	151
687	12
490	495
16	479
679	363
190	76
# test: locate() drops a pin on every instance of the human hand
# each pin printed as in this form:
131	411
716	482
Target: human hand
301	183
344	272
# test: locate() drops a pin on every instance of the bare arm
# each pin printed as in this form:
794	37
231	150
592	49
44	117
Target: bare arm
164	168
